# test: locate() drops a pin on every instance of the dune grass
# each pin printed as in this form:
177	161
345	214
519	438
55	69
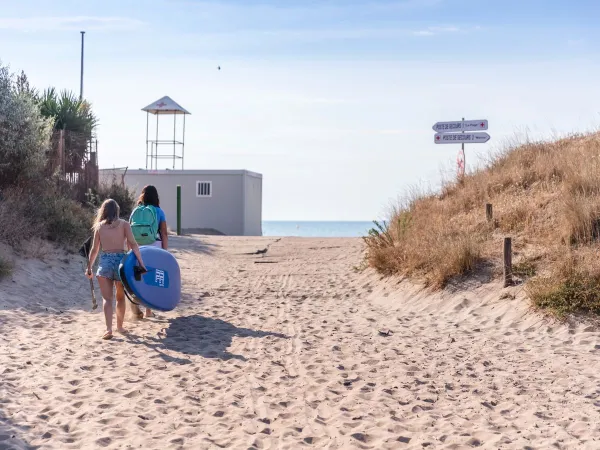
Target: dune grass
546	196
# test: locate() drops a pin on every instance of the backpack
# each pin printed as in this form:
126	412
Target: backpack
144	224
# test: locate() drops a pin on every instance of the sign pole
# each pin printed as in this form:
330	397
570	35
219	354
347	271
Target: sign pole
463	132
81	74
462	148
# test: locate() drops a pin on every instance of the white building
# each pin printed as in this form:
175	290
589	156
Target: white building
222	201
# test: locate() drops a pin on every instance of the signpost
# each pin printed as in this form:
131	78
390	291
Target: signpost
458	138
461	132
461	125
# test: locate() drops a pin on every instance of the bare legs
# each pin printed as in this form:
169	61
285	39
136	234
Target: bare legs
106	288
120	306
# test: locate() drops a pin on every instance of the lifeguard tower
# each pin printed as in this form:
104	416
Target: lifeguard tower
161	148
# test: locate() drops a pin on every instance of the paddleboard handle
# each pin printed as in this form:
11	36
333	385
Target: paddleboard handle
137	272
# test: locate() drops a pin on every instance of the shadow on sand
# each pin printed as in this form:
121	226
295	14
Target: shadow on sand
191	246
10	435
198	335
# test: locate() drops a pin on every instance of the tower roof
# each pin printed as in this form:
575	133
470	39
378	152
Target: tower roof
165	105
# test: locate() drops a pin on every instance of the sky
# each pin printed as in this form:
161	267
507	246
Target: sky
332	101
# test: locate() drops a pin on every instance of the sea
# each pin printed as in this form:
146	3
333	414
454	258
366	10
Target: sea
316	229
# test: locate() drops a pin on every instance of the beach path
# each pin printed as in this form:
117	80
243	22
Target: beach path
291	349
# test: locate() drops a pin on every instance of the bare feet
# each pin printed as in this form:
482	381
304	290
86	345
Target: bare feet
149	313
108	335
122	330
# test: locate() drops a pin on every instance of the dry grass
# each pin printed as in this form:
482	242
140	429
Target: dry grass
36	248
546	196
6	267
27	214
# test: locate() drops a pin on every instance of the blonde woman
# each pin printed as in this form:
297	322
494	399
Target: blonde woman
111	234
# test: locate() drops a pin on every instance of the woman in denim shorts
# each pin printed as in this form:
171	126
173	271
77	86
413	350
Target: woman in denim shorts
111	234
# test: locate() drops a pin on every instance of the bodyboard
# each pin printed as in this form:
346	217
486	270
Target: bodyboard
160	287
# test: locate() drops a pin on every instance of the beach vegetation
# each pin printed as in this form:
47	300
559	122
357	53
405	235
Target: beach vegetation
33	200
544	195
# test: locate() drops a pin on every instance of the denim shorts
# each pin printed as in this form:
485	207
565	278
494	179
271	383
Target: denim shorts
109	266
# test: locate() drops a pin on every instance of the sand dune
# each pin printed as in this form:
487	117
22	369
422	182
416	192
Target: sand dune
290	350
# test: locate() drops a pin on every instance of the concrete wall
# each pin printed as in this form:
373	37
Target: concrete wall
222	212
252	205
226	211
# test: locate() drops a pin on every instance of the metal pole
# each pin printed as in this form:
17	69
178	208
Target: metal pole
463	149
178	210
183	142
174	136
81	76
147	128
156	145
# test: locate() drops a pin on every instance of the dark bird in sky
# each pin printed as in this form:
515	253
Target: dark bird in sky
219	67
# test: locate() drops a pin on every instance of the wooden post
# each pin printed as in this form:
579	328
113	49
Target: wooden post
178	210
61	152
507	262
489	212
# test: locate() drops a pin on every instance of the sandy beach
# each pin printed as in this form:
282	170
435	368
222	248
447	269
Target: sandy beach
291	350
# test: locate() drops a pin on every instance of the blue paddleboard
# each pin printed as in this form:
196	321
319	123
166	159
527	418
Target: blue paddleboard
160	287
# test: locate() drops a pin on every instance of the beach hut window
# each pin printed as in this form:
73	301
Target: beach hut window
203	188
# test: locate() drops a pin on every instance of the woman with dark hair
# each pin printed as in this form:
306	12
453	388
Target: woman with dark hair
149	197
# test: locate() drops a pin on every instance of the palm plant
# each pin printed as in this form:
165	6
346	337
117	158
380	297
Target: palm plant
74	116
68	111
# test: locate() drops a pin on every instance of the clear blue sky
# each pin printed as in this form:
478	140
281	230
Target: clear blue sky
332	101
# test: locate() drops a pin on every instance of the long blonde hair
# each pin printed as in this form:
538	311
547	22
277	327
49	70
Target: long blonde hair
107	213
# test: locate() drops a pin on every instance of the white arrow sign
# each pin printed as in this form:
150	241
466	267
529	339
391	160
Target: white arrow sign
459	125
459	138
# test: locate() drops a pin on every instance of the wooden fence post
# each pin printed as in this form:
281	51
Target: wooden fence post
489	214
508	281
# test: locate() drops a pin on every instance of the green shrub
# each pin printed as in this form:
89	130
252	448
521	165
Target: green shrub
31	203
17	221
27	212
577	293
6	267
66	221
24	134
118	192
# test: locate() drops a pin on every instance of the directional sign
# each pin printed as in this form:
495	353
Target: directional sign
467	125
459	138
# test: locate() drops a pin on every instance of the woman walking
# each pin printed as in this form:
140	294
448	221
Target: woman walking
110	235
149	225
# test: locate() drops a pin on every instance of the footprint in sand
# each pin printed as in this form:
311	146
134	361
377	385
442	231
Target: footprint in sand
104	442
133	394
